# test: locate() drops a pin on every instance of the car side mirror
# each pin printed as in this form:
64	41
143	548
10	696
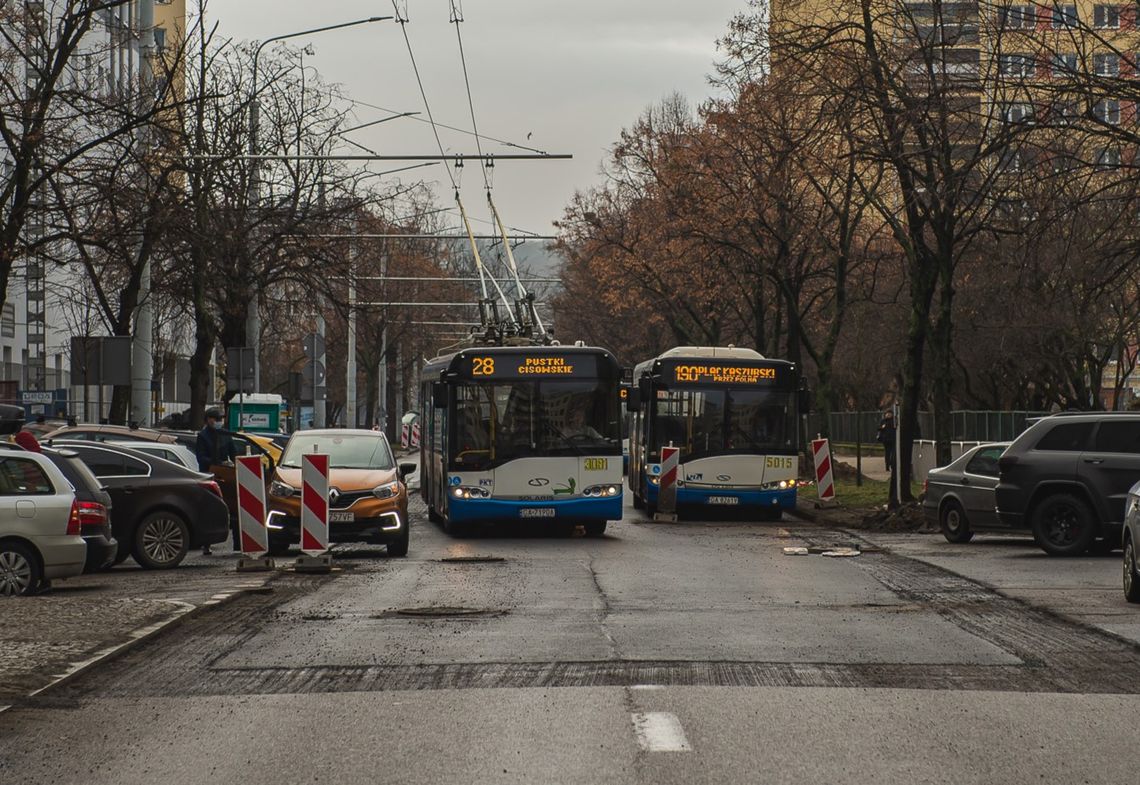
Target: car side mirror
407	470
439	395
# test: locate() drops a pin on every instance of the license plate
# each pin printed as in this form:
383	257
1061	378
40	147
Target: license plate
341	517
723	500
536	512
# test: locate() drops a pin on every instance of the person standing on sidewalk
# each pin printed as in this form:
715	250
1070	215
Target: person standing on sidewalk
214	448
886	437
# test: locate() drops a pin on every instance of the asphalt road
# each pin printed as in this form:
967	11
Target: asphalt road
662	653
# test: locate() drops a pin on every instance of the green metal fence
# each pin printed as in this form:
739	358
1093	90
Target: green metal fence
966	425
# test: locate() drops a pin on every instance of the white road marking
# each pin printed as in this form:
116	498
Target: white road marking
660	731
647	687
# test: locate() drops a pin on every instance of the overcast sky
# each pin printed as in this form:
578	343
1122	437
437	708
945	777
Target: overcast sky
570	74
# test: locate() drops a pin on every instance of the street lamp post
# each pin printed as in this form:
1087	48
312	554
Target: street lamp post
253	315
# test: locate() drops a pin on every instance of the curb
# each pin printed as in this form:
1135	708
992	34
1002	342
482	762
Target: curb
184	612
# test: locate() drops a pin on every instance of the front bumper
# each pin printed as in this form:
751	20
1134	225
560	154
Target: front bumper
608	508
386	527
700	497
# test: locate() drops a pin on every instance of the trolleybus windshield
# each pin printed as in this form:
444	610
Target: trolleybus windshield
499	421
716	421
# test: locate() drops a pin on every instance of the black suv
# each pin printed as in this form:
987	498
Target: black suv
1067	478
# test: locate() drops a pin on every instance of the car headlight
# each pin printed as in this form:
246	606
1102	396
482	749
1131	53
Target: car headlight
387	490
470	492
282	489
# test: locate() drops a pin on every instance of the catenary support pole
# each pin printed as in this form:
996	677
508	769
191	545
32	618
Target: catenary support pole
142	345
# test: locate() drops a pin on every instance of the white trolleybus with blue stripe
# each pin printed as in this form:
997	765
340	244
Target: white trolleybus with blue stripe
522	433
733	413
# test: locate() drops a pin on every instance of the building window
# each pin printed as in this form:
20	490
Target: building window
159	39
8	321
1107	111
1064	15
1106	16
1066	111
1106	64
1015	65
1011	161
1064	64
1017	17
1108	158
1018	113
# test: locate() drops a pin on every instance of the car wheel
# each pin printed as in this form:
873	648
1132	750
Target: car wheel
1131	573
161	541
1063	525
399	546
955	525
594	528
20	573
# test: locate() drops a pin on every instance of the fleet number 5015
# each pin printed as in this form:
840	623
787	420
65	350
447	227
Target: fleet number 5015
772	462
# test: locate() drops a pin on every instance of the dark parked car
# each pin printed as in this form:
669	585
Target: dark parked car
960	496
1067	478
94	505
1132	545
160	510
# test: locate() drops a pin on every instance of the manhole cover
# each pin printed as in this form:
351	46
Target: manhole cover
435	611
471	559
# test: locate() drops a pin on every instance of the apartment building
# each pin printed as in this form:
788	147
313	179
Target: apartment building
45	305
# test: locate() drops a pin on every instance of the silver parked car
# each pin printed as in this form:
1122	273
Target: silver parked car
1132	545
40	525
175	453
960	497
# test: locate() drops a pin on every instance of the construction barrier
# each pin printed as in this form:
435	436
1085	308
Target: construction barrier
415	441
251	506
824	481
405	435
314	504
667	490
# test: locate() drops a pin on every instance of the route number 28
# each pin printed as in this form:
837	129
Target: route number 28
771	462
483	366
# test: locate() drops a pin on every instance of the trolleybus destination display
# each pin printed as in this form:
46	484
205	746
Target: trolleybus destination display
724	373
501	365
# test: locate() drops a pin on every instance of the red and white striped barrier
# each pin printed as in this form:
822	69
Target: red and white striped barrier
405	435
415	442
667	490
251	506
824	482
314	504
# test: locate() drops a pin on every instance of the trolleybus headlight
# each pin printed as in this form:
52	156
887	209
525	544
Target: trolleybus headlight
386	491
778	485
601	491
467	492
282	489
654	480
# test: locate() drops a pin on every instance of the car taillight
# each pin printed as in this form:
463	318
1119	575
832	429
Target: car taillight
212	486
74	527
92	513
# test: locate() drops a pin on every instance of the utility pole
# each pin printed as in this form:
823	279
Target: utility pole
142	348
350	361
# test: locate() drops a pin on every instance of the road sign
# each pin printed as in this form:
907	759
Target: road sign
239	369
28	397
824	482
314	345
314	504
251	505
311	369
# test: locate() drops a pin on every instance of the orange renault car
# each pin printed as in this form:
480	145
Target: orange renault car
368	501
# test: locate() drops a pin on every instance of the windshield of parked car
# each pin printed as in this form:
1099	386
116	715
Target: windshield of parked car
345	451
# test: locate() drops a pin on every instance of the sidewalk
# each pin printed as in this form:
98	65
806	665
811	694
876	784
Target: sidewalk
81	620
873	466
